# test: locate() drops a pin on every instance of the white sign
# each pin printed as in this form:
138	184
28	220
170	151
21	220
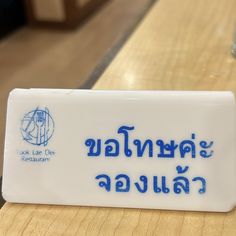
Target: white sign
142	149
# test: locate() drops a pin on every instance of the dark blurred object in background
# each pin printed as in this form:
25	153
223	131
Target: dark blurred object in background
12	16
49	13
63	14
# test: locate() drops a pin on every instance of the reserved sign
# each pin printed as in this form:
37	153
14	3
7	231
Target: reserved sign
137	149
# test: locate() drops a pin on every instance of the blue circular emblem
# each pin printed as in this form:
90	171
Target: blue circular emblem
37	127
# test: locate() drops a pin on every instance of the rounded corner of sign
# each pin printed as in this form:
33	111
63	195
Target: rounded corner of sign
229	208
12	94
6	196
232	94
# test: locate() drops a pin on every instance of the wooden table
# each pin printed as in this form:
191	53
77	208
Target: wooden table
180	45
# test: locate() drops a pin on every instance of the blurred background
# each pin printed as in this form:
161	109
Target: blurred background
60	43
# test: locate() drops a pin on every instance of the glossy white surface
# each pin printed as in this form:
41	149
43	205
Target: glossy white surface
65	174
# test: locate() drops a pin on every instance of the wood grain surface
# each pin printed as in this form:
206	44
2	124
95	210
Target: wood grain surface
22	219
181	45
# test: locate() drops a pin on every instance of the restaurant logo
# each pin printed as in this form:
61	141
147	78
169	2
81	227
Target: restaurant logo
37	127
